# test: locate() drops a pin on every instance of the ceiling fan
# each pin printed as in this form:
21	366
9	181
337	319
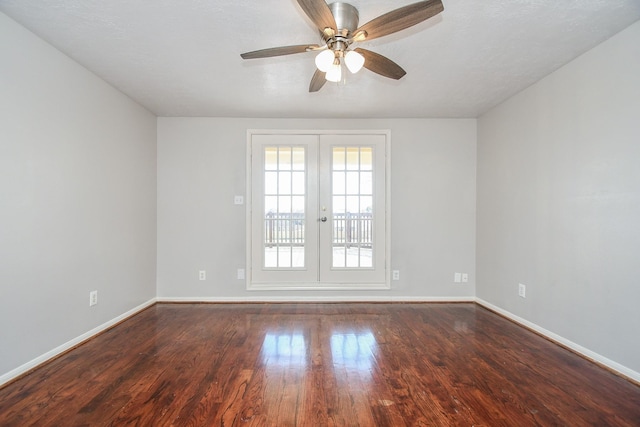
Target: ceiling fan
338	25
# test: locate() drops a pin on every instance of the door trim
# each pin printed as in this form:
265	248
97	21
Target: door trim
252	286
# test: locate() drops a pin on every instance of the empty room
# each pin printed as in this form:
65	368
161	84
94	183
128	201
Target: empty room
306	213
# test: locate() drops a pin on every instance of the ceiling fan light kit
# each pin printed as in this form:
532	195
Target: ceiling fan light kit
338	26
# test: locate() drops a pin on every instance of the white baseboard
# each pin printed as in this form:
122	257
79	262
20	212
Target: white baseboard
5	378
262	299
610	364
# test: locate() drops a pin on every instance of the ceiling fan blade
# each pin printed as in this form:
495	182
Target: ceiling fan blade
399	19
278	51
381	64
317	81
319	13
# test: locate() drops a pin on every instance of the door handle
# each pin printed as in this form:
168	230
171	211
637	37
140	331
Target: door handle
323	219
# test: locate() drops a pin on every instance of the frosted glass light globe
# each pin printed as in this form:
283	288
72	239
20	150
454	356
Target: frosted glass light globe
354	61
324	60
334	74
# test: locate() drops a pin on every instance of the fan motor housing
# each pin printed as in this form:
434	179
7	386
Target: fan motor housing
346	17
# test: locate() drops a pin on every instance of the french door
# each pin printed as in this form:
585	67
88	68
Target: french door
317	211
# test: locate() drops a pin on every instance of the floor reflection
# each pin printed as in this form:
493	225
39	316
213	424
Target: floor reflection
353	350
284	349
460	326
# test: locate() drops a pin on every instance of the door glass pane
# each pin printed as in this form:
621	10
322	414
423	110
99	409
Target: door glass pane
271	256
353	257
298	159
366	258
339	206
366	204
352	207
366	158
270	158
338	257
284	158
338	158
353	156
366	183
271	183
284	256
297	205
297	183
284	203
338	182
353	181
297	256
270	205
284	183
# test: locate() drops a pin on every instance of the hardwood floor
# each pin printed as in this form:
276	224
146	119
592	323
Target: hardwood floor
319	365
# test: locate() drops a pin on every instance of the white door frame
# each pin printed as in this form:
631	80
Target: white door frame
253	285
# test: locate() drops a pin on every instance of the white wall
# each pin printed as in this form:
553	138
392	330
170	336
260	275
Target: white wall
559	201
201	166
77	199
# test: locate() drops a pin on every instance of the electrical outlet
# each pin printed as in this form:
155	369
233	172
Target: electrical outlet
238	200
93	298
465	278
522	290
202	275
457	278
240	274
395	275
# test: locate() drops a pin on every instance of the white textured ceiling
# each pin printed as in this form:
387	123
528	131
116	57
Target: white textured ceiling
182	58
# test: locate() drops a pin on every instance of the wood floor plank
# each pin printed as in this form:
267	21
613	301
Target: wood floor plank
319	365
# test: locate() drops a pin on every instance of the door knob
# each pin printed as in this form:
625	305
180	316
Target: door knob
323	219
